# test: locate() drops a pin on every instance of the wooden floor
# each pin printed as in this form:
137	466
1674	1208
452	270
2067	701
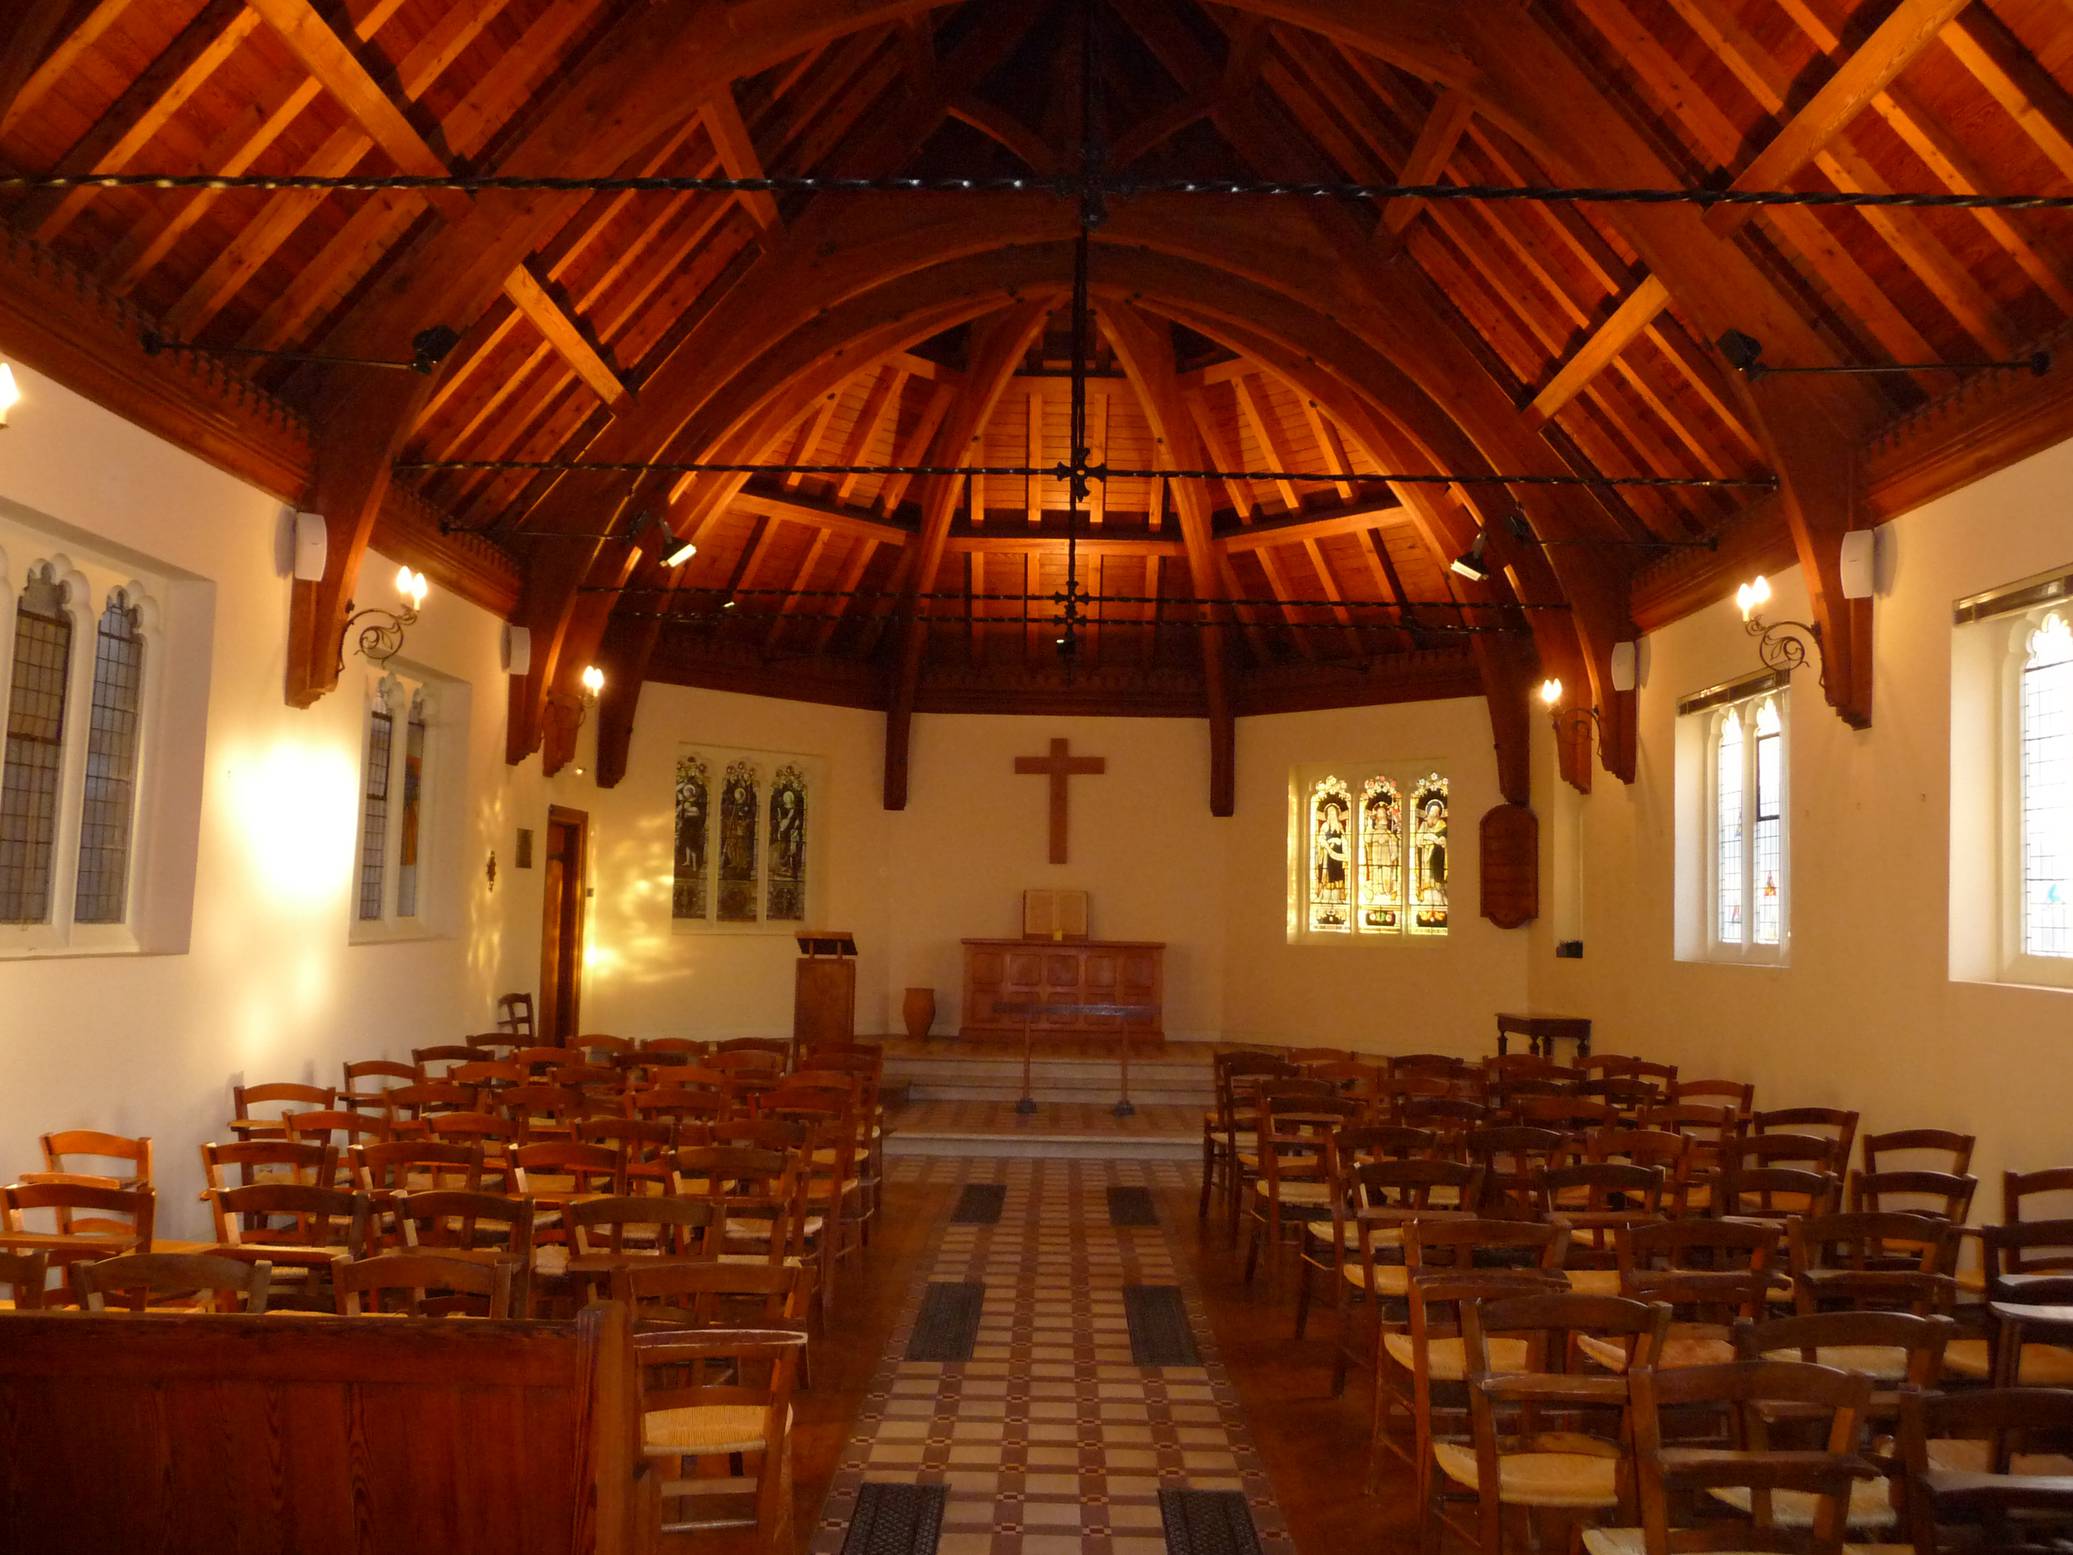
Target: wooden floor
1314	1446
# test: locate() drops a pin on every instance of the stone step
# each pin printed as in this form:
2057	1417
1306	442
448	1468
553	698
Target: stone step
1068	1146
1045	1089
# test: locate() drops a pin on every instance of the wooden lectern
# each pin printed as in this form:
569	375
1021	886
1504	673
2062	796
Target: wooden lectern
824	995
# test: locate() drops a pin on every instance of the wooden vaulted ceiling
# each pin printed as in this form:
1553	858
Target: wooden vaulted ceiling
831	327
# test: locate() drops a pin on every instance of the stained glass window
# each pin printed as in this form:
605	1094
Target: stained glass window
2047	790
1331	848
374	811
1429	856
1381	857
787	892
115	722
738	806
688	889
1728	823
1748	840
413	809
35	749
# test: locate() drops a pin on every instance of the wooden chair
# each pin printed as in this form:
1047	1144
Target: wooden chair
770	1047
515	1015
498	1042
607	1232
385	1170
1231	1122
1713	1131
599	1048
1565	1114
683	1045
1712	1273
1597	1200
484	1227
647	1148
1515	1459
1365	1245
865	1067
205	1281
1945	1195
117	1160
423	1284
1926	1149
75	1215
712	1295
724	1393
555	1173
1733	1094
341	1130
1293	1182
322	1225
1426	1351
1515	1162
538	1061
306	1162
833	1190
2041	1195
758	1057
357	1094
2018	1280
120	1218
1834	1123
542	1110
1664	1148
440	1060
1670	1476
24	1277
488	1074
691	1113
685	1077
1774	1193
495	1135
758	1199
1871	1261
1968	1467
246	1120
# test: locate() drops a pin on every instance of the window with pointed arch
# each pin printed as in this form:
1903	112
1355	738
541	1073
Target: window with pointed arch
78	679
1747	860
1365	863
404	774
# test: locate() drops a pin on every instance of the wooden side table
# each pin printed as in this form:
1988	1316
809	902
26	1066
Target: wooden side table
1542	1032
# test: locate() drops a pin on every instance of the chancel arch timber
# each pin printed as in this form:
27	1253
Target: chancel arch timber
1520	338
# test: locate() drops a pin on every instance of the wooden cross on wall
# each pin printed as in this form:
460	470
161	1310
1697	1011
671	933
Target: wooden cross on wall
1060	767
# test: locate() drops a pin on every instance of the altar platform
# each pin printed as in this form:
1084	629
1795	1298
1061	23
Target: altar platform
951	1097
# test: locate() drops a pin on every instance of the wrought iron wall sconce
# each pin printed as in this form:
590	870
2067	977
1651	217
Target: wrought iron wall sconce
1782	645
593	682
1569	721
381	631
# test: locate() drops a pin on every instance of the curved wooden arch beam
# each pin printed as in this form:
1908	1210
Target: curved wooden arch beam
1145	350
1521	76
566	623
653	67
996	353
1401	429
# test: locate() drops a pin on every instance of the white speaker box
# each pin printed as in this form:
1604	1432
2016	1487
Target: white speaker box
518	649
1625	666
1860	563
312	547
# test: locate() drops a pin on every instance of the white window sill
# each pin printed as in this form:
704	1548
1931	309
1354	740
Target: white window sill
71	952
1755	963
694	926
393	934
2013	981
1365	941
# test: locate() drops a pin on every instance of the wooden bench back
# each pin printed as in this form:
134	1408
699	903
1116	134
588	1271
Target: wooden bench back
191	1434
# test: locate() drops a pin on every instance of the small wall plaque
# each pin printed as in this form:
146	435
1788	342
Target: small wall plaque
525	847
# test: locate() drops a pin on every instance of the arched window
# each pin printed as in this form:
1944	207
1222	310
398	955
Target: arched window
2045	783
35	755
114	737
688	888
1746	774
1429	856
787	891
738	806
1381	857
1331	856
402	787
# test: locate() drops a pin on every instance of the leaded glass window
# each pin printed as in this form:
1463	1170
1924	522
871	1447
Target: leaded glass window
374	811
2046	790
688	889
787	892
1429	856
115	725
1331	855
1750	876
409	836
35	749
1381	857
738	841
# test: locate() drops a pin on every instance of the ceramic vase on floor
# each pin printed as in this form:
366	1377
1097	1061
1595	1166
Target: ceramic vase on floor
919	1011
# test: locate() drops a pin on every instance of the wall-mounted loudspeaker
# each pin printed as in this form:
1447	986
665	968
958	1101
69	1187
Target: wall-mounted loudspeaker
518	650
1625	666
1860	563
312	547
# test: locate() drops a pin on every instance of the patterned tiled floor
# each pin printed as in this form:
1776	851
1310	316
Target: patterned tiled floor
1048	1440
1050	1118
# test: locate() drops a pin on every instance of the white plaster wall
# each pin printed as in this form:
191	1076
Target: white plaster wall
1865	1013
269	986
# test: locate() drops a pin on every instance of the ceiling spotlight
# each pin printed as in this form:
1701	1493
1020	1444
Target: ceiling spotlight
1744	352
1470	564
680	555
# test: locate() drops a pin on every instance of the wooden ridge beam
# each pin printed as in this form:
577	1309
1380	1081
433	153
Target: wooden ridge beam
1893	45
1613	335
1430	153
738	155
1308	529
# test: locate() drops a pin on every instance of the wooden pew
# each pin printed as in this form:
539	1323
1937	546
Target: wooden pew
192	1434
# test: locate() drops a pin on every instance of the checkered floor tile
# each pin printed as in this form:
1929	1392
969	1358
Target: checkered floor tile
1048	1440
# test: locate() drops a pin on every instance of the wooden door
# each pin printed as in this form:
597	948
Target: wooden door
561	925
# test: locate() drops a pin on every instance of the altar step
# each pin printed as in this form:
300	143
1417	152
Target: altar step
1069	1130
1154	1080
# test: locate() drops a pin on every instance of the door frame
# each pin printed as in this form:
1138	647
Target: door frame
579	891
